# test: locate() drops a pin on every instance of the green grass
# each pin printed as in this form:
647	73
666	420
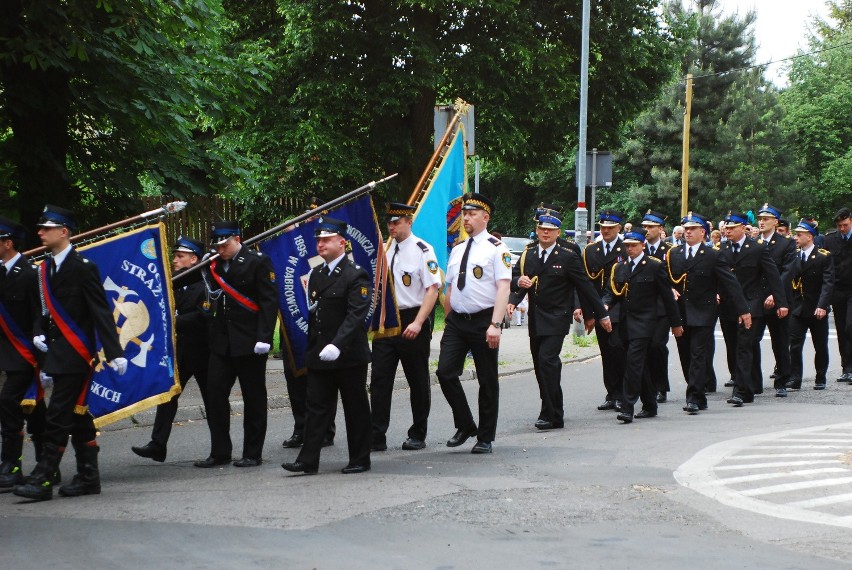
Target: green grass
439	318
584	341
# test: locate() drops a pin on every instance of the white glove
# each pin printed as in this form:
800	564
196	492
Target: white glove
46	381
329	353
261	348
39	343
119	365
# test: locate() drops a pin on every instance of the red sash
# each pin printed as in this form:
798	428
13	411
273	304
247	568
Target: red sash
24	347
69	329
233	293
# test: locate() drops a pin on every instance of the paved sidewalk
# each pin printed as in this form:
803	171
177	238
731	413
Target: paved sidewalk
514	359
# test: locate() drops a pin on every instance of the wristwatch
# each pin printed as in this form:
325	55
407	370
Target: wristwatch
498	324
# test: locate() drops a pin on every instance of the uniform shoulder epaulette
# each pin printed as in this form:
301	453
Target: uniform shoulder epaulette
423	246
829	232
653	259
824	251
494	241
532	245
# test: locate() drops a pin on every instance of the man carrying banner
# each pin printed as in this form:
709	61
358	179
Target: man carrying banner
339	294
548	275
19	307
478	277
414	270
192	312
245	306
75	307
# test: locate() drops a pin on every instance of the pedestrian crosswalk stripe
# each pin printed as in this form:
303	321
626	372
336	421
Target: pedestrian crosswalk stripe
768	476
822	501
802	447
795	486
774	455
774	464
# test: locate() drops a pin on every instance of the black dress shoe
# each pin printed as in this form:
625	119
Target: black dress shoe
624	417
793	385
350	469
780	392
481	447
845	377
248	462
212	462
729	384
413	444
691	408
544	425
617	406
702	407
661	397
736	401
299	467
819	386
645	414
378	446
541	421
295	440
607	405
328	441
461	436
150	450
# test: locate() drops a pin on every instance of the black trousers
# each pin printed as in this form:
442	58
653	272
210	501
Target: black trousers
748	379
462	333
612	361
548	373
61	421
165	416
658	356
692	348
799	327
223	371
297	392
323	386
637	381
12	416
779	332
414	355
842	307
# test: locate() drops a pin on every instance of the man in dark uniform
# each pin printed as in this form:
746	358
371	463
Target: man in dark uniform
413	267
75	307
839	244
783	252
658	351
478	274
192	329
549	276
339	294
19	307
639	285
244	300
813	284
699	274
598	259
751	262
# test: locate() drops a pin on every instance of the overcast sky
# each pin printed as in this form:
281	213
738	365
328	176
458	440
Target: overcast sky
781	27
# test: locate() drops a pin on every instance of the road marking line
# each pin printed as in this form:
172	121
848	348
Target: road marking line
774	464
801	447
697	474
796	486
816	440
822	501
779	475
774	455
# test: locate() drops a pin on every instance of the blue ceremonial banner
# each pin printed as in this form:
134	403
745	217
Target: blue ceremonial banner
438	217
294	255
136	276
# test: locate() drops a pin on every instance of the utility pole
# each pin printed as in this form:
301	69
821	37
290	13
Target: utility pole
687	117
581	215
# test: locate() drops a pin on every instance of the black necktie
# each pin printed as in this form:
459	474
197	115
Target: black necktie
324	270
653	250
632	265
51	266
2	270
543	256
606	250
393	259
804	256
736	247
463	267
689	254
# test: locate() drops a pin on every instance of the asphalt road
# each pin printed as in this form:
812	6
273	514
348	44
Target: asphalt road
596	494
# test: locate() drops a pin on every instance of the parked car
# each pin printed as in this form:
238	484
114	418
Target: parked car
516	246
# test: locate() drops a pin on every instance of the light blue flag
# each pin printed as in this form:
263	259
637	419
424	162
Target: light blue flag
438	219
